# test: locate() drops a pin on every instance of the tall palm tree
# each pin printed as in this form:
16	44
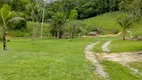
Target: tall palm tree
125	22
36	9
5	13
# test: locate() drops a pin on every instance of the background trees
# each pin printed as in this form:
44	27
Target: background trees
41	11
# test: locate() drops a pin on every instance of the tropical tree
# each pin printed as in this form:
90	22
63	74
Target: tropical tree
34	9
58	19
73	16
5	13
125	22
133	9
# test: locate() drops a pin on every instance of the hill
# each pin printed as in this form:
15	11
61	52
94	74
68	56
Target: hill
107	24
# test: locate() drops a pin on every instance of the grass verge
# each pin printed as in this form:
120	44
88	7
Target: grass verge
118	72
125	46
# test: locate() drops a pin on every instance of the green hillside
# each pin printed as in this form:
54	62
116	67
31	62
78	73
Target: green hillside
107	23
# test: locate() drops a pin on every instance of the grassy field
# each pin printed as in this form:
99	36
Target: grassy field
98	47
125	46
47	59
118	72
137	65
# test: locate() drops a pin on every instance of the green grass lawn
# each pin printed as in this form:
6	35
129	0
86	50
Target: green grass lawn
137	65
119	72
98	48
125	46
47	59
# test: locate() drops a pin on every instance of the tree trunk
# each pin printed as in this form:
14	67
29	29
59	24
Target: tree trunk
72	33
4	34
41	36
33	32
124	34
58	34
4	39
131	32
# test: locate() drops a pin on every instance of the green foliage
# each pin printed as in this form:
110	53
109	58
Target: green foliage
5	13
17	33
46	29
74	14
125	21
58	19
96	7
17	23
3	2
28	31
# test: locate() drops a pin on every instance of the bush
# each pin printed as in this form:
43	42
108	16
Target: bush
115	31
17	23
17	33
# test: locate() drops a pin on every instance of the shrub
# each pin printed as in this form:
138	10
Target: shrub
17	23
17	33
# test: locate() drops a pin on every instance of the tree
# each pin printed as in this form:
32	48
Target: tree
125	22
58	19
133	9
5	13
73	16
35	10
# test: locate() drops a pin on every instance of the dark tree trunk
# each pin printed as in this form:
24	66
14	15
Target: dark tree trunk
4	40
58	34
124	34
72	33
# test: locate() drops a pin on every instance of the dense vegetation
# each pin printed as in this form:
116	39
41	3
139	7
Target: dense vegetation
51	11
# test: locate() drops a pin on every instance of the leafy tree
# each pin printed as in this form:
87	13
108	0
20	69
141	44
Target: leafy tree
35	10
17	23
58	19
133	9
73	16
125	22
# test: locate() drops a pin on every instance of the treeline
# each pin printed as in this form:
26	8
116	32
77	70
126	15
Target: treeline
85	8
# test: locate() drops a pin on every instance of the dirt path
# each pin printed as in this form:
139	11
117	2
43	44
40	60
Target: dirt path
90	56
105	47
125	58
